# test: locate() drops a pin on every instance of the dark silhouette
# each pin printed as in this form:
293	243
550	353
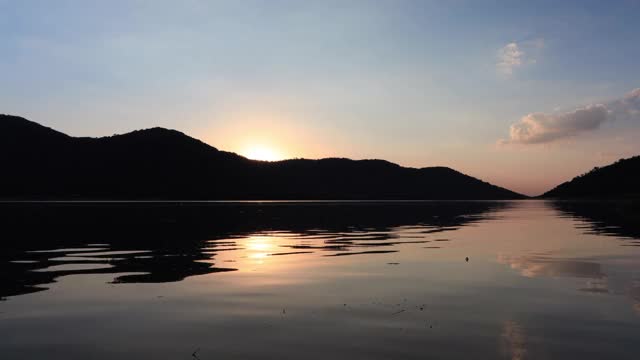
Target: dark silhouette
177	238
41	163
619	180
614	218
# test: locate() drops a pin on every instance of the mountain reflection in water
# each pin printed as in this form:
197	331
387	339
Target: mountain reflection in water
316	280
165	242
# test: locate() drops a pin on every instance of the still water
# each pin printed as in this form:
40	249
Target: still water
330	280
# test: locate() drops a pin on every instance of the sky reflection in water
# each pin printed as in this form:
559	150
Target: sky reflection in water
543	280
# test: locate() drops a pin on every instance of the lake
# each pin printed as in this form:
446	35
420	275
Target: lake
320	280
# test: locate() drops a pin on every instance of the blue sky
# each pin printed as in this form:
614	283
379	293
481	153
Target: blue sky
419	83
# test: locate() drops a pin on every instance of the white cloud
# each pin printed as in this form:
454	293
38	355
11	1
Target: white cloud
628	107
541	128
509	57
538	128
518	54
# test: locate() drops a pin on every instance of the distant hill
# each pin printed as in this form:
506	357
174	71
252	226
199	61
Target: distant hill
618	180
41	163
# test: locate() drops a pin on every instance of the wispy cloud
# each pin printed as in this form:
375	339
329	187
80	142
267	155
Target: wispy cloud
509	57
539	128
518	54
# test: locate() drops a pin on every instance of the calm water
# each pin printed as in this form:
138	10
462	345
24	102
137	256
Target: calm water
434	280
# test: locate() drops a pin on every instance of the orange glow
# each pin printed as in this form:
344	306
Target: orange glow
259	246
264	153
268	132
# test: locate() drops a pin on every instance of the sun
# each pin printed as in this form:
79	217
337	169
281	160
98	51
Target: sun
259	152
259	246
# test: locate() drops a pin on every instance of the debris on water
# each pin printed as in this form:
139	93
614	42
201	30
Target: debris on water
398	312
195	354
467	258
284	311
393	263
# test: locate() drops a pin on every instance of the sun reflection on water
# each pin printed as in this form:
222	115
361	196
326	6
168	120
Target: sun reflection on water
259	247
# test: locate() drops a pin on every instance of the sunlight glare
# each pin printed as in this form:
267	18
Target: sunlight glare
259	246
262	153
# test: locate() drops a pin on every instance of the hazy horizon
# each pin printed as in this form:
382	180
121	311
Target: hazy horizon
501	220
522	95
258	155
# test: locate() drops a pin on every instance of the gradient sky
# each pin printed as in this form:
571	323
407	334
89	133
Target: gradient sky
524	94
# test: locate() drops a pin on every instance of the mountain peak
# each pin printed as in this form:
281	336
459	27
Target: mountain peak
15	128
159	136
161	163
154	132
619	179
13	123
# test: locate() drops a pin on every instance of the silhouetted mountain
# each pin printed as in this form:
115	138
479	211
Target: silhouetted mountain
615	217
41	163
618	180
170	241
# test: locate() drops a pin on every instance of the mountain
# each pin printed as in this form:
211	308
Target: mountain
41	163
618	180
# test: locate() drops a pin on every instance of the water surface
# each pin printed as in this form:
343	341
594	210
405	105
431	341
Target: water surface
344	280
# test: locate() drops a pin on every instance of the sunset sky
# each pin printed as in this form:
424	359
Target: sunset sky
523	94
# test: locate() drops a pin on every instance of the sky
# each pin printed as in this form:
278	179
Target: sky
523	94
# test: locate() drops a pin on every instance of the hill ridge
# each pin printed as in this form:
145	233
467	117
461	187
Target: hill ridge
162	163
617	180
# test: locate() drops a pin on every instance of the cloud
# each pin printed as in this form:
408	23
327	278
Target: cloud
517	54
509	57
540	128
543	266
629	107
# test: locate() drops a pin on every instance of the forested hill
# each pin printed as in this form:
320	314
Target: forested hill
618	180
41	163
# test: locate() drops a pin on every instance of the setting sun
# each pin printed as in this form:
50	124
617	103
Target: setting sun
263	153
355	179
